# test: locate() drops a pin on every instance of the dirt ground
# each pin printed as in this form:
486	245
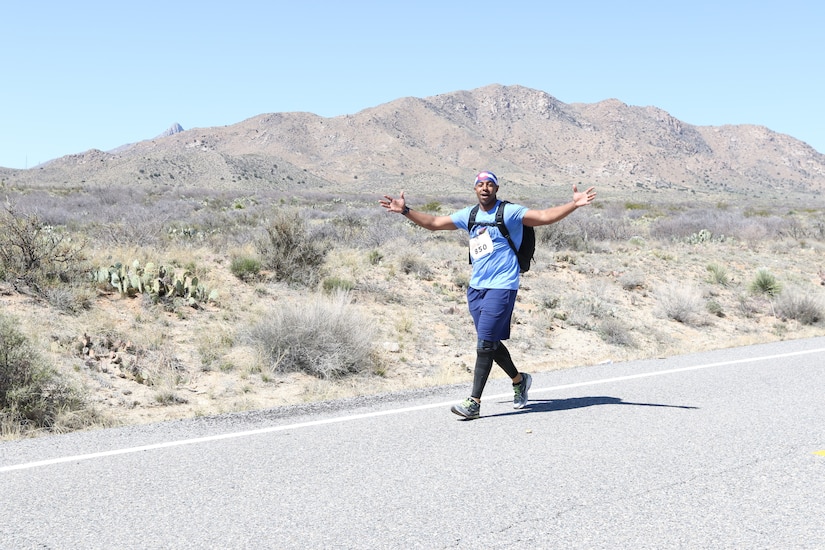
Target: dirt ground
140	363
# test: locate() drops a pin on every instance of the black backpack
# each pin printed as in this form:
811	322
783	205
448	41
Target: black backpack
528	239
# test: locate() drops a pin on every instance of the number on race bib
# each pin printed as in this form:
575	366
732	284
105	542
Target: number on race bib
481	246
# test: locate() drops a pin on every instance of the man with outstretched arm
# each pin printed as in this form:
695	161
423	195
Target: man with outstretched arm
494	283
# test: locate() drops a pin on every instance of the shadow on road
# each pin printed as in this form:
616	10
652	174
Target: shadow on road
550	405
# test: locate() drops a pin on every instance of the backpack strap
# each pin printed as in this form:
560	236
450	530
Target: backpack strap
502	227
472	221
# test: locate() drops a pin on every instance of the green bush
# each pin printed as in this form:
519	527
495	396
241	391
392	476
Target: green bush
717	274
32	394
245	268
335	284
375	257
765	283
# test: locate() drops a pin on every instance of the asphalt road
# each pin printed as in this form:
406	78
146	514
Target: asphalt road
724	449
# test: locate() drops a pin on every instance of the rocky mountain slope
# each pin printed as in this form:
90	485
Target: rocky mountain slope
527	136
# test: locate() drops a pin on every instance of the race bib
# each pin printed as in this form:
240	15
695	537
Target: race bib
481	245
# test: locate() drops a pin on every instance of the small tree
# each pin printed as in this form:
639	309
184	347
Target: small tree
33	251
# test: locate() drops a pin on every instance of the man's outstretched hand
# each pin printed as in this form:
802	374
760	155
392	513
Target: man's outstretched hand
582	199
394	205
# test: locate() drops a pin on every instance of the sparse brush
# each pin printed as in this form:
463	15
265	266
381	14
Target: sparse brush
681	303
561	236
615	333
326	337
805	307
585	310
412	265
632	280
70	298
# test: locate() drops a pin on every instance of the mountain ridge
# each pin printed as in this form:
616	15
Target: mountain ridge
530	138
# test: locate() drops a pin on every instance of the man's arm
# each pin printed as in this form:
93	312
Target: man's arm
554	214
427	221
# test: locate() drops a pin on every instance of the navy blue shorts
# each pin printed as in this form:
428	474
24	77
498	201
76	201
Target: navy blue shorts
492	311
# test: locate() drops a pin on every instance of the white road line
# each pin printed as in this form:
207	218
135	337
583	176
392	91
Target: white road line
299	425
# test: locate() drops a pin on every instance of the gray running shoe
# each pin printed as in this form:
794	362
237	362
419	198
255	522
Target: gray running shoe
468	408
520	391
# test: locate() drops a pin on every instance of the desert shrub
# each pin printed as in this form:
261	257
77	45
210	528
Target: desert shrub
801	306
461	279
615	333
348	226
34	252
326	337
549	301
717	274
410	264
291	251
713	225
715	308
747	306
245	268
157	366
681	303
375	257
561	236
134	225
632	280
32	394
383	228
334	284
765	282
594	225
585	310
70	298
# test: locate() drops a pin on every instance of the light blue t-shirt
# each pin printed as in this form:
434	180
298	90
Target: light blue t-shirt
500	268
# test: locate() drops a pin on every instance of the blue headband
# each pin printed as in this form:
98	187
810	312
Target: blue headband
486	176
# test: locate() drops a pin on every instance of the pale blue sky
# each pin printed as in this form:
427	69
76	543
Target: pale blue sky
87	74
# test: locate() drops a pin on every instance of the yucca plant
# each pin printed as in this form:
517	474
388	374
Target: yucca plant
765	283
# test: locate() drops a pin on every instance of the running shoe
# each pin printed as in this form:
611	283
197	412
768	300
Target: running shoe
520	391
469	409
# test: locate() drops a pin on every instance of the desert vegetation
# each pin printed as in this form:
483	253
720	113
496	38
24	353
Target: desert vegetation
138	304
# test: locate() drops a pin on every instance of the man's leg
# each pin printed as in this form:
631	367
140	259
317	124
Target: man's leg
470	408
485	351
503	360
521	381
